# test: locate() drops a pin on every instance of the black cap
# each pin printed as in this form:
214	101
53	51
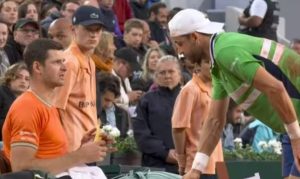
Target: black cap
87	15
130	56
24	21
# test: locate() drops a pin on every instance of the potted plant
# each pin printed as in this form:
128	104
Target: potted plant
127	152
247	162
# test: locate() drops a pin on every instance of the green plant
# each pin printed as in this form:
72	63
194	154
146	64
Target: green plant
125	145
271	151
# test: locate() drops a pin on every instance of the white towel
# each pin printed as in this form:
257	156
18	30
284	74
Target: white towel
84	172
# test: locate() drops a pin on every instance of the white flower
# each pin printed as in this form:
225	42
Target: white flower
130	133
237	140
278	151
114	132
107	129
263	145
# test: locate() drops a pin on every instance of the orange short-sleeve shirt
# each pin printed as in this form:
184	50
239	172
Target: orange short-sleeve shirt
190	110
32	123
77	98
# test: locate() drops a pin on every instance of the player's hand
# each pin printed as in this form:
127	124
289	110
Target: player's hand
192	174
296	151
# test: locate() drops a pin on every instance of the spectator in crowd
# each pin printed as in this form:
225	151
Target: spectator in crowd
111	114
256	132
233	126
33	135
60	30
104	52
152	125
147	41
28	10
123	12
158	27
76	100
139	9
146	79
14	82
260	19
48	10
25	31
4	61
67	10
190	110
109	17
9	13
123	65
295	45
133	35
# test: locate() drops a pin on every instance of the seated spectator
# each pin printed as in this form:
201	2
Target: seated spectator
4	61
146	79
33	135
133	35
104	52
49	10
28	10
296	45
139	9
109	17
124	63
256	132
111	114
152	126
60	30
9	13
25	31
123	12
14	82
147	41
67	10
233	126
158	27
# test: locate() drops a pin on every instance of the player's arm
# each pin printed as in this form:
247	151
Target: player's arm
276	93
179	138
24	158
211	132
252	21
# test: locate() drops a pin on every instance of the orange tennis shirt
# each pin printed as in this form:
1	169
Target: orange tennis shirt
30	122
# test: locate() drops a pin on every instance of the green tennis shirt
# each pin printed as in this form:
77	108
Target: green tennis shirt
235	59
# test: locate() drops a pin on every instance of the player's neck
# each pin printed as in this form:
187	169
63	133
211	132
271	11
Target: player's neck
44	93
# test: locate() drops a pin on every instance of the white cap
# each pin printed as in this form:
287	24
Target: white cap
191	20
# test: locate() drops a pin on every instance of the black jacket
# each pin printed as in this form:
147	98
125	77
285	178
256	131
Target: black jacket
152	127
122	120
14	51
6	99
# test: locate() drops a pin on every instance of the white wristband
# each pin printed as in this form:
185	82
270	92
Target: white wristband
200	161
293	130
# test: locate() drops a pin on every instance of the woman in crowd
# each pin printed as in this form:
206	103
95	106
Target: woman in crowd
149	65
13	84
28	10
4	62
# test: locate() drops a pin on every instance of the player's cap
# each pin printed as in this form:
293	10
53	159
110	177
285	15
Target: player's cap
191	20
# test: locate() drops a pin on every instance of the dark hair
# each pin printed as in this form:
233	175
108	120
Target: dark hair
295	41
173	12
108	82
22	9
156	6
38	51
12	72
46	8
63	7
2	3
133	23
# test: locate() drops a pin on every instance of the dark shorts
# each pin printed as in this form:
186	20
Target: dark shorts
288	165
